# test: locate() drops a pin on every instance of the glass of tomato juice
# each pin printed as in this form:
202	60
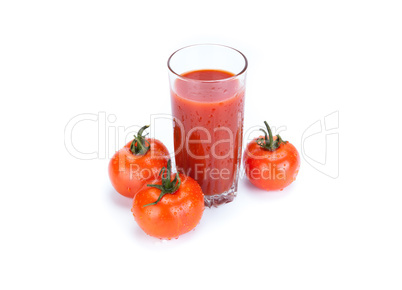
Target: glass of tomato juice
207	85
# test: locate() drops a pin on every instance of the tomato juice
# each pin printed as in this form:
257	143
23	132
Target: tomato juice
207	107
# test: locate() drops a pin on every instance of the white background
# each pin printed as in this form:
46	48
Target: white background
64	227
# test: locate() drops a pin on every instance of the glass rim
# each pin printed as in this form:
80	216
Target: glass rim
208	81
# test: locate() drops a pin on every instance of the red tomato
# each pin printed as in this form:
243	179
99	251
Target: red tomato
137	163
271	163
169	207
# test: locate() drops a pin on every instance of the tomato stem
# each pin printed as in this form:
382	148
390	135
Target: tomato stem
269	143
168	185
140	145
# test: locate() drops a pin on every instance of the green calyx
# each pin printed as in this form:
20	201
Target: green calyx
140	145
168	185
268	143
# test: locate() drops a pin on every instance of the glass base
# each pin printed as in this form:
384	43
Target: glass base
219	199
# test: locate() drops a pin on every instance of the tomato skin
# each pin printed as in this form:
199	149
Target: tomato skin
129	172
175	214
271	170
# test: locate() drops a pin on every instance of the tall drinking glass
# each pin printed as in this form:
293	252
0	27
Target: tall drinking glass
207	85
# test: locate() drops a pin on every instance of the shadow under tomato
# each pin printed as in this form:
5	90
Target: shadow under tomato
119	200
264	194
153	243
